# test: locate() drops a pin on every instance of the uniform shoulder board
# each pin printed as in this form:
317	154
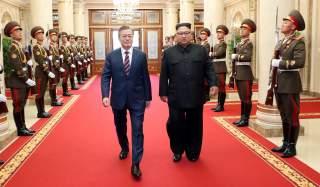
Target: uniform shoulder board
14	46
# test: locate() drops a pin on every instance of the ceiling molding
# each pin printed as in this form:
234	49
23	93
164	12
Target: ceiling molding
17	3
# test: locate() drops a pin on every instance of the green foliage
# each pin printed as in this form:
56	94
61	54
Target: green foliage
6	42
231	43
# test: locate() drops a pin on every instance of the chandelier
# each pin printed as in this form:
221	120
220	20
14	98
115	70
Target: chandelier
125	9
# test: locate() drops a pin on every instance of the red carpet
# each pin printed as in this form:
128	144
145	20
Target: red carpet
82	150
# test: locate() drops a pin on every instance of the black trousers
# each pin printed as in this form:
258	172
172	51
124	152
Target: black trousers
245	94
185	129
137	117
289	108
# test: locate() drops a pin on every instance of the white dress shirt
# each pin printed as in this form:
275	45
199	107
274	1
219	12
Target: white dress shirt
124	54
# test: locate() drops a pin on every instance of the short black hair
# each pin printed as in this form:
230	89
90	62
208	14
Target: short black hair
124	27
188	25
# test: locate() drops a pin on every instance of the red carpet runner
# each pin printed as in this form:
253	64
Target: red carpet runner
82	150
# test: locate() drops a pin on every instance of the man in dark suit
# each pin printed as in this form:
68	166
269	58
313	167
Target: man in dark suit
131	90
184	68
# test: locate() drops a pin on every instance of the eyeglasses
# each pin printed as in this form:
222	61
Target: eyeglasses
183	33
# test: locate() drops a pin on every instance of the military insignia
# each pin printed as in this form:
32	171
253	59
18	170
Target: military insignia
38	53
14	55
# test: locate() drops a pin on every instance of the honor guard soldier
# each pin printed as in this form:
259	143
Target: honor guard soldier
88	56
79	59
18	80
219	64
204	34
42	72
84	59
73	52
243	73
287	92
56	68
66	62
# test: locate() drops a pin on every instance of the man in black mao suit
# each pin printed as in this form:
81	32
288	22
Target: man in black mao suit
184	68
131	90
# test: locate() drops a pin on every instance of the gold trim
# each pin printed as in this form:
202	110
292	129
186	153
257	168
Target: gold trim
284	169
84	87
17	160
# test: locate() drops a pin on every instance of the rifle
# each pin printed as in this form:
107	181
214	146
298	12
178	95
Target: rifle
233	72
50	67
274	70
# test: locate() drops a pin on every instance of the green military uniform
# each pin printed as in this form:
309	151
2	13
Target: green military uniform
287	92
73	52
18	80
41	73
54	68
243	74
66	64
220	67
79	59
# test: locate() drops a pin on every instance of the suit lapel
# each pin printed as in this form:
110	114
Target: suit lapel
133	61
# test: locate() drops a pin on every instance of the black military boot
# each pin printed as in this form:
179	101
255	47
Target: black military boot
65	90
290	151
53	97
83	75
243	122
221	99
282	148
20	130
242	115
1	162
79	79
40	107
23	119
73	84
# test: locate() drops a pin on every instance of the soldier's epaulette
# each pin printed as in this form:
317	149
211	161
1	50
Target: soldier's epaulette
14	46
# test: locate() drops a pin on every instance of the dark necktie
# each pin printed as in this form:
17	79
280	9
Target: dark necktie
126	63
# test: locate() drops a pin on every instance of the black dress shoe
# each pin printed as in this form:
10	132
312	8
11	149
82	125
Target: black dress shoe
236	122
31	131
1	162
56	103
123	155
67	94
193	159
24	132
177	157
219	108
290	151
281	148
44	115
243	123
135	171
75	88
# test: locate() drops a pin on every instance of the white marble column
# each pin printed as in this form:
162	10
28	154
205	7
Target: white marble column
315	53
187	12
41	13
170	19
213	16
268	120
79	28
65	10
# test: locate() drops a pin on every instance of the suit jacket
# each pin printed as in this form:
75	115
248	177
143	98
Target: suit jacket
183	71
219	52
244	54
131	90
18	62
293	54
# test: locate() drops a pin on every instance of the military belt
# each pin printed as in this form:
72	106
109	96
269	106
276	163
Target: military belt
243	63
219	60
282	70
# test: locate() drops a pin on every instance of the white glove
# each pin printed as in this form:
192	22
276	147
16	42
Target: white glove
85	61
61	56
79	63
91	58
1	67
78	53
275	63
50	57
30	63
51	75
30	82
62	70
233	56
69	58
71	54
73	66
3	98
88	59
